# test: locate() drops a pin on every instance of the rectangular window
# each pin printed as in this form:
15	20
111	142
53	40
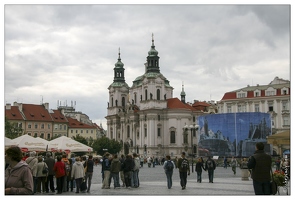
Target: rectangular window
91	131
71	131
256	107
229	109
65	127
42	126
285	105
76	131
81	131
256	94
159	132
239	108
145	132
55	126
286	121
36	125
29	125
48	126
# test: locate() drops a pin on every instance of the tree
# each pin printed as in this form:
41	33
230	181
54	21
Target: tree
103	143
80	139
12	130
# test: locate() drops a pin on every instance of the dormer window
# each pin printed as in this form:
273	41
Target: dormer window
257	93
284	91
242	94
270	92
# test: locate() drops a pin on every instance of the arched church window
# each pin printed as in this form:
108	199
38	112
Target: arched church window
172	137
112	103
123	101
158	94
146	95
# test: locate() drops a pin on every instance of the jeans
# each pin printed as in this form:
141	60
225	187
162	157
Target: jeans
78	184
261	188
199	176
59	184
88	176
210	175
169	178
132	179
35	180
51	183
127	176
115	176
122	178
135	178
183	178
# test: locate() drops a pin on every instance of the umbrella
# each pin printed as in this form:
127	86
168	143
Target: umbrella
9	142
29	143
67	145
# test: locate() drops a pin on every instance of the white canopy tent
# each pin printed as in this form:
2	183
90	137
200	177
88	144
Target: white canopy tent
28	143
8	142
65	144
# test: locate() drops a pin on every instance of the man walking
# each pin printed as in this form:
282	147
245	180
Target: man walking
260	163
184	170
234	164
50	163
89	171
210	166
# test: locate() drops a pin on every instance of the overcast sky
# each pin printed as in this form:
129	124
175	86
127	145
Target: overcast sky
67	53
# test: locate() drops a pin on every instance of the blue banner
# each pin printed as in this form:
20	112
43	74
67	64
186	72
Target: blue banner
233	134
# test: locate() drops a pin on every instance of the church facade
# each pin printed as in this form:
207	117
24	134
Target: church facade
145	117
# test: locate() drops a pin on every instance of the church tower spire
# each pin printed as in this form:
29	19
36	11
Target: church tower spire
182	94
119	70
153	59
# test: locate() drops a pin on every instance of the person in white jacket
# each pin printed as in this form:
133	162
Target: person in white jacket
78	173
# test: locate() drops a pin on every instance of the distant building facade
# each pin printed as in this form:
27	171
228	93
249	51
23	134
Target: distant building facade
273	98
40	121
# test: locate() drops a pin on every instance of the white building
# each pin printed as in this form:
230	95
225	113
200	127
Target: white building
273	98
145	117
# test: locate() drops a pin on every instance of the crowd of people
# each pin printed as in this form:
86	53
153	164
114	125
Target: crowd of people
33	174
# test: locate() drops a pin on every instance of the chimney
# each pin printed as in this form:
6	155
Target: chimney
8	106
46	105
19	105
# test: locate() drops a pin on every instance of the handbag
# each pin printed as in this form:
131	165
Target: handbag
273	185
45	169
83	185
85	169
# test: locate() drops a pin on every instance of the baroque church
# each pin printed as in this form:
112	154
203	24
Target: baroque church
145	118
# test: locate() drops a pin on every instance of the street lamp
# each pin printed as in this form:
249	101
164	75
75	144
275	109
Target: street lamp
192	148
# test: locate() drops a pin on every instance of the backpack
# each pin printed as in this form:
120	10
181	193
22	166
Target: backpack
184	164
210	164
169	165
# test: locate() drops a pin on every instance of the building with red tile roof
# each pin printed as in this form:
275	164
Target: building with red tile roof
273	98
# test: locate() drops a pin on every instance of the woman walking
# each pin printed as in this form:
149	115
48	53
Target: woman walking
168	167
199	167
78	173
40	175
60	171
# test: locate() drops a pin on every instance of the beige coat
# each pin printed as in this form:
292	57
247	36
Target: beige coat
19	179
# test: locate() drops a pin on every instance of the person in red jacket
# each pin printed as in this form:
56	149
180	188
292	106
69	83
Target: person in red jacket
60	172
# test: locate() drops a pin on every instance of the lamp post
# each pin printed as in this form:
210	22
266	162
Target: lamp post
192	128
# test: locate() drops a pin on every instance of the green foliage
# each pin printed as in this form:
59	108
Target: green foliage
102	143
12	130
81	139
